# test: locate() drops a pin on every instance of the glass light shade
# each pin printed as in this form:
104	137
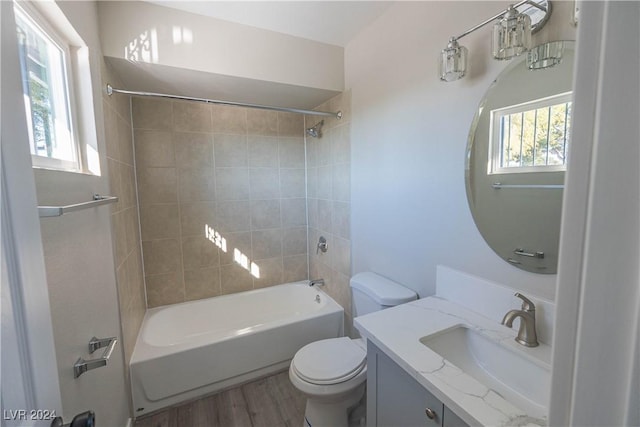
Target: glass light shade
545	55
453	62
511	35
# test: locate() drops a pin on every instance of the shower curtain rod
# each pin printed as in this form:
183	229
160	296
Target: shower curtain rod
111	90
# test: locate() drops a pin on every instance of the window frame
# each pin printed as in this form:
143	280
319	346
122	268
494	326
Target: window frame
58	38
495	143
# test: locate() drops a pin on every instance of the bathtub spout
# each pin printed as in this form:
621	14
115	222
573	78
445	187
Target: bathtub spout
316	282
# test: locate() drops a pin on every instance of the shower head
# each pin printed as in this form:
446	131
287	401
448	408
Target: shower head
316	130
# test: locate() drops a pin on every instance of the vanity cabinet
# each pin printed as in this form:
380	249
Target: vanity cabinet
451	419
394	398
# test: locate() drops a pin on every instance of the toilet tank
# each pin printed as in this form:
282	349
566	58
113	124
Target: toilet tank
371	292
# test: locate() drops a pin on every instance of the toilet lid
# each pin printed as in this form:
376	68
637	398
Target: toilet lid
329	361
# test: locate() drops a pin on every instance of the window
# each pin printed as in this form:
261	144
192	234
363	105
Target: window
44	60
531	137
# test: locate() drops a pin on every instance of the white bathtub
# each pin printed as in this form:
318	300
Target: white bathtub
191	349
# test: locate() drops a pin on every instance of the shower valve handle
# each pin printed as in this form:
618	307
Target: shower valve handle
322	245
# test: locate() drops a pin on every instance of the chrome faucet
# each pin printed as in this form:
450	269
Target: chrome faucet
527	334
316	282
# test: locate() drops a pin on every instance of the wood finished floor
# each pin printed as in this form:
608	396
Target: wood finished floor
269	402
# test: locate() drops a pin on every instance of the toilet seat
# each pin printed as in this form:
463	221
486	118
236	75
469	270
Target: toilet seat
330	361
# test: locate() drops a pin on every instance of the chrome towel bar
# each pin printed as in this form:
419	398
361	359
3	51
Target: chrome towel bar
98	200
499	185
530	254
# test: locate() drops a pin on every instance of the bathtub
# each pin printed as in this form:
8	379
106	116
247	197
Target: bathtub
187	350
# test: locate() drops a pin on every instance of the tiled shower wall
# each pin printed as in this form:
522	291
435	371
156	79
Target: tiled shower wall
221	196
124	214
329	195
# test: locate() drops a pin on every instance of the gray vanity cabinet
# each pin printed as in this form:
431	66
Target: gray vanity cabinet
395	399
452	420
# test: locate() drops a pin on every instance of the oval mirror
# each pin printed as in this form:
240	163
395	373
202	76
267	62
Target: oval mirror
516	157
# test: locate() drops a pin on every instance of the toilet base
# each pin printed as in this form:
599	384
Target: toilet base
358	414
323	413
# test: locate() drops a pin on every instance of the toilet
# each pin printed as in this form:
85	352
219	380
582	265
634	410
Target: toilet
331	373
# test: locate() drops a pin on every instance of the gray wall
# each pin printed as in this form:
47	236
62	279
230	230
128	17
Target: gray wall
409	134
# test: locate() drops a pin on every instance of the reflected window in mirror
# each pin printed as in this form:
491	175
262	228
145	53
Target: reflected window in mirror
531	136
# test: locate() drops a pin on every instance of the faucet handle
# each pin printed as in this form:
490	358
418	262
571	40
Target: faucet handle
527	304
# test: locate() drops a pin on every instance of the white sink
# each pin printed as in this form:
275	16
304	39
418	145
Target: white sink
518	377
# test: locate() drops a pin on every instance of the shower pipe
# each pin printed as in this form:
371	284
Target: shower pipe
111	90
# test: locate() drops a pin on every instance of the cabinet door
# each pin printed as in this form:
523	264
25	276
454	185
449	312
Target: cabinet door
401	401
450	419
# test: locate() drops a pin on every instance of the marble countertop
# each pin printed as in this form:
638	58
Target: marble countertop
397	332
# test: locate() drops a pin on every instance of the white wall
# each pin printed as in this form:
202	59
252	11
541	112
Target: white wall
409	135
199	43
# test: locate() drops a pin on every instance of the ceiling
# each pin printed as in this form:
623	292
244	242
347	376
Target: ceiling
332	22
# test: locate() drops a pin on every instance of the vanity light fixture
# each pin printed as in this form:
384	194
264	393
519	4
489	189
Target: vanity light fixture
545	55
453	61
511	36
